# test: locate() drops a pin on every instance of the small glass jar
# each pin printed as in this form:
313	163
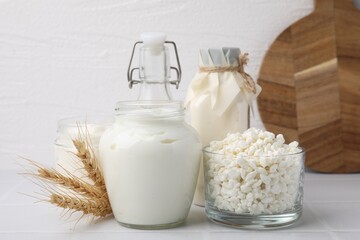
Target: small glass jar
241	192
150	160
69	129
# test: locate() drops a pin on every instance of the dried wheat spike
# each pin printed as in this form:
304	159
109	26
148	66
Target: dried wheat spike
96	206
86	154
72	182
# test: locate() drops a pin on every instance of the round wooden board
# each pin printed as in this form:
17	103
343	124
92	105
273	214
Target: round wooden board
311	86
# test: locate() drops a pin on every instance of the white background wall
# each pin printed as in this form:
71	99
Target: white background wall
70	57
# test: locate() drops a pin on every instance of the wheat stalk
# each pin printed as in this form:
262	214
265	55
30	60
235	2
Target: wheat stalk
88	198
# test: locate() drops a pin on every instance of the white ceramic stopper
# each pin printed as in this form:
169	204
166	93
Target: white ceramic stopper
153	39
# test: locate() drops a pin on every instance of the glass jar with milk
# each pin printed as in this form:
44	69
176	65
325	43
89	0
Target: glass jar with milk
150	156
218	99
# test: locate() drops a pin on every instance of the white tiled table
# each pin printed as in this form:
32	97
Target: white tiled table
331	211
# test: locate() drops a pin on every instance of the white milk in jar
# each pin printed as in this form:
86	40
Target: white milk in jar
150	159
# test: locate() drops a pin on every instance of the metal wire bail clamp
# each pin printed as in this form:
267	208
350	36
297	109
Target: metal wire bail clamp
130	71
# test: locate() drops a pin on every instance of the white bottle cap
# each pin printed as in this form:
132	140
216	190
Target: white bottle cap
153	39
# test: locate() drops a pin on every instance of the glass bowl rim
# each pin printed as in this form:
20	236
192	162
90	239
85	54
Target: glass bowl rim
301	152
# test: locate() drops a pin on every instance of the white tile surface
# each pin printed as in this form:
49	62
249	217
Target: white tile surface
23	193
343	216
37	236
335	189
331	211
270	235
348	235
10	176
337	176
5	189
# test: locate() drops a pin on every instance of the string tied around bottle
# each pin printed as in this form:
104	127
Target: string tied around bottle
249	83
224	84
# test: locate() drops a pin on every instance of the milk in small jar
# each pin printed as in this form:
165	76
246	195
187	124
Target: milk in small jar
69	129
150	156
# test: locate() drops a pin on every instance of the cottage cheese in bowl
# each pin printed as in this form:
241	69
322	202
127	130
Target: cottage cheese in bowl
254	177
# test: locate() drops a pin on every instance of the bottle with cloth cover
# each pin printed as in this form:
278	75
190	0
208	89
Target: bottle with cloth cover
219	98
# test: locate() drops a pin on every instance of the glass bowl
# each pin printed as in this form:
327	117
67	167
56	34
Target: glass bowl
256	192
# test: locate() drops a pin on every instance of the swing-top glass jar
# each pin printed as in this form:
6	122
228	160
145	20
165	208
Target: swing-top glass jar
150	156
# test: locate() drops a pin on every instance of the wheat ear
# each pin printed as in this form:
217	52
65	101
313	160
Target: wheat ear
95	206
72	182
87	156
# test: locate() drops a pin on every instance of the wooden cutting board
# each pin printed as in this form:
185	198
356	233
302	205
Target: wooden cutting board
311	86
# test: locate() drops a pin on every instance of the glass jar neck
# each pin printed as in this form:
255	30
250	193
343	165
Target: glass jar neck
154	91
154	73
150	110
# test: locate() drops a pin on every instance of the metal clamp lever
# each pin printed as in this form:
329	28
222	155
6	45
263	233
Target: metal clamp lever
130	71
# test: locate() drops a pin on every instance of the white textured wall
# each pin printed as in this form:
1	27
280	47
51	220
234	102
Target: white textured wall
70	57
